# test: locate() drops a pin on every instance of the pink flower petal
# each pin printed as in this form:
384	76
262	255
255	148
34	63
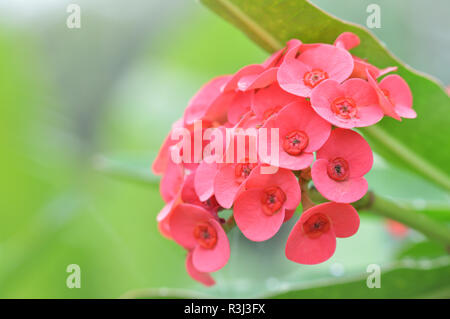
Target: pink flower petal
309	251
385	103
277	58
290	77
362	66
201	102
204	180
250	218
225	186
182	222
295	162
283	179
347	191
251	69
188	194
218	110
240	105
160	163
337	62
364	96
347	41
202	277
171	181
209	260
352	147
163	217
288	213
406	112
400	95
270	100
252	82
300	116
344	218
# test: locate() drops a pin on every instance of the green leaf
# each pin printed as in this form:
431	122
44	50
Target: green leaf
400	281
413	144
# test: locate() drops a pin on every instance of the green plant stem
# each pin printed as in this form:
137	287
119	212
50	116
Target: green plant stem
414	160
307	203
420	222
390	209
229	224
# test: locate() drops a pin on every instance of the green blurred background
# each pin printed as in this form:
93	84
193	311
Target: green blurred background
80	105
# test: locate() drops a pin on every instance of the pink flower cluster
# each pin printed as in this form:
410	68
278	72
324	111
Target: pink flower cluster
314	94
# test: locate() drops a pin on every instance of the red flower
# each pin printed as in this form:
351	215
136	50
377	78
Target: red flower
202	277
313	238
301	71
338	173
196	230
262	207
353	103
301	132
394	96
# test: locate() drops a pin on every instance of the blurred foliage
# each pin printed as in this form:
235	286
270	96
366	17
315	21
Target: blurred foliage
78	102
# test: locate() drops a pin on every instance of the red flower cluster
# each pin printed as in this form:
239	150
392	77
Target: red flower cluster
311	96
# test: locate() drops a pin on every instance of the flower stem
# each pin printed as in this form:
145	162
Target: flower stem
307	203
229	224
434	230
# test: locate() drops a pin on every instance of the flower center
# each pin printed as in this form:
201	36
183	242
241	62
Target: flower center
344	107
314	77
337	169
316	225
295	142
272	200
205	235
242	170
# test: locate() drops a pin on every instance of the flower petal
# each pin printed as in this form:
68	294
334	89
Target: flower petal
250	218
204	180
337	62
400	95
182	222
209	260
171	181
225	186
283	179
344	218
202	277
204	98
309	251
299	115
359	90
347	191
290	76
352	147
385	103
347	41
239	105
270	100
252	82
